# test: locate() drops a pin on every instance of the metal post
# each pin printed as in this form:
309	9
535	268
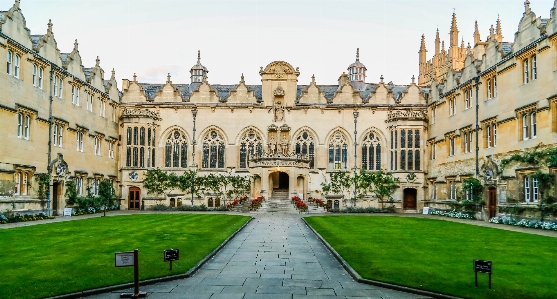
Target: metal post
356	113
136	273
193	166
49	167
477	79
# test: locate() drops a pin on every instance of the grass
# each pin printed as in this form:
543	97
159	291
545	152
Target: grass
57	258
438	255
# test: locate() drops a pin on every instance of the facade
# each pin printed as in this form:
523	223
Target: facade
288	136
57	118
507	90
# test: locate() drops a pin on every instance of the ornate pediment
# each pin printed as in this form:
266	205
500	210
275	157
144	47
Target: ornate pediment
279	69
406	114
137	112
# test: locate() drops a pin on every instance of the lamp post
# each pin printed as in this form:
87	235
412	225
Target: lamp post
193	166
356	114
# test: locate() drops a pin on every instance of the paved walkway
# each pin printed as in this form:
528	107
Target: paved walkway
274	256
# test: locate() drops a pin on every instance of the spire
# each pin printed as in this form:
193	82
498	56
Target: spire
476	34
49	30
242	79
498	31
437	42
413	79
422	45
113	74
134	77
97	61
198	56
168	79
357	54
75	45
381	78
454	32
313	78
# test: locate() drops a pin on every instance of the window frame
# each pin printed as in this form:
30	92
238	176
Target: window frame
9	62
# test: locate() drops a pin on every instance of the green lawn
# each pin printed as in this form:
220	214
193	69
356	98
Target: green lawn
51	259
439	255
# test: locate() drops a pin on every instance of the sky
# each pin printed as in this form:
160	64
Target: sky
154	37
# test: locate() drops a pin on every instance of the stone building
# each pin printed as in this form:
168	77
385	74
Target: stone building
488	101
57	117
66	121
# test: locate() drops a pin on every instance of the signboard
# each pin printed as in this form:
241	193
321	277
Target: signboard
171	255
68	212
425	211
482	266
124	259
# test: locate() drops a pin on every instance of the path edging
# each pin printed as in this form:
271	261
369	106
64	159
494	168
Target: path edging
359	278
153	280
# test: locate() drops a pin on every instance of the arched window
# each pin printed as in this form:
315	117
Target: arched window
305	145
176	150
371	152
338	151
213	150
250	143
140	153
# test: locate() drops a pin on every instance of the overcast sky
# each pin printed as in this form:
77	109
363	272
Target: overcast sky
153	38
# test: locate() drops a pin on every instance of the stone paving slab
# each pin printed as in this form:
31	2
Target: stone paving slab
276	256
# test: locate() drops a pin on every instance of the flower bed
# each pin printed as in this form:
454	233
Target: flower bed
237	201
255	203
524	223
299	204
24	218
453	214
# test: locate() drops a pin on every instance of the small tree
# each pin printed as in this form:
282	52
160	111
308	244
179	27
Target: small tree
156	181
545	181
107	195
71	193
340	183
472	192
383	185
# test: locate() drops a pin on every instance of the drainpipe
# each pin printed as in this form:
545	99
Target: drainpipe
49	167
477	79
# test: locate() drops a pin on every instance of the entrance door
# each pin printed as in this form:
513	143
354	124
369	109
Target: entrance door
134	201
492	202
283	180
409	202
55	198
337	205
217	202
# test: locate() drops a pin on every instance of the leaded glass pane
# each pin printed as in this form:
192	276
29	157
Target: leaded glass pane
410	139
396	139
135	135
243	155
135	154
142	136
311	155
392	160
392	139
331	156
205	160
129	157
410	160
371	157
345	156
417	136
149	137
403	160
378	157
364	156
221	156
213	156
168	155
129	136
141	157
402	138
298	150
153	158
175	155
184	155
259	148
417	159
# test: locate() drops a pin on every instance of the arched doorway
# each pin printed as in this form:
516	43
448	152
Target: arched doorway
283	181
134	200
409	201
492	202
56	191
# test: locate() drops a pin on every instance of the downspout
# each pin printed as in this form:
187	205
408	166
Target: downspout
477	125
49	167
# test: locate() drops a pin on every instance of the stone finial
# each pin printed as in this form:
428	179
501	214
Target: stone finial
134	77
413	79
168	78
422	44
527	6
75	45
97	61
357	54
198	56
313	78
462	44
498	29
443	46
476	34
491	30
453	22
113	74
49	30
381	79
16	5
242	79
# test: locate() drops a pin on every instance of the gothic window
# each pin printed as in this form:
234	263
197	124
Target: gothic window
305	145
139	152
409	153
213	150
176	150
250	143
338	152
371	152
394	150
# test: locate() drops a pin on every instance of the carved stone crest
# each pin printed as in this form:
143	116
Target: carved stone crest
137	112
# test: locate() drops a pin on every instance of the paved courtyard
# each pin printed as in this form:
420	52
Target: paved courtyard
275	256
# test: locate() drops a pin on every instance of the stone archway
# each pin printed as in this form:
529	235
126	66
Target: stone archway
409	199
